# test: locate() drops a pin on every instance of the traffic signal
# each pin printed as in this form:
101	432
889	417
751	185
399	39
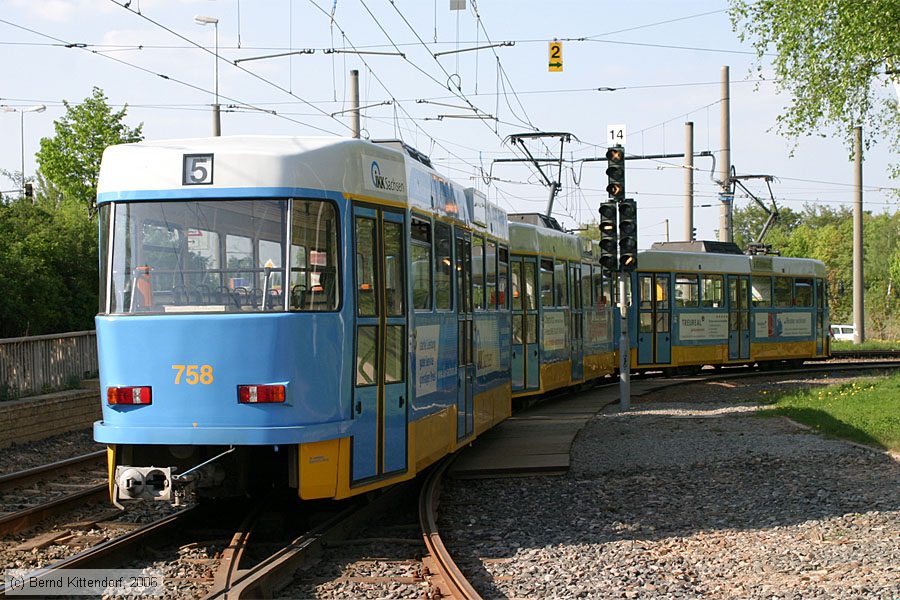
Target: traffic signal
615	171
628	235
608	235
29	190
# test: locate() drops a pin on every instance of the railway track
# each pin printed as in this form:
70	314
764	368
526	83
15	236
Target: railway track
112	553
275	571
43	492
864	354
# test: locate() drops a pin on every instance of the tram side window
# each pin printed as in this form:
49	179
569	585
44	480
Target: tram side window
686	290
443	268
314	278
601	285
394	267
421	264
803	292
586	286
562	283
502	277
490	274
546	283
366	355
761	291
366	286
478	272
783	292
713	291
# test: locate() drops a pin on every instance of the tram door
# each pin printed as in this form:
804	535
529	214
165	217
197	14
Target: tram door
577	320
465	414
654	319
379	393
525	365
820	317
738	317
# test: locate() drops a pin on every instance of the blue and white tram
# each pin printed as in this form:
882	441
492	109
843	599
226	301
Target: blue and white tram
330	314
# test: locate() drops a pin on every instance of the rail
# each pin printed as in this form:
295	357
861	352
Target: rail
446	576
36	364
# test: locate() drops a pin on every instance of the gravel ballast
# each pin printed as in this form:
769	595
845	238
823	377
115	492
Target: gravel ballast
19	457
689	494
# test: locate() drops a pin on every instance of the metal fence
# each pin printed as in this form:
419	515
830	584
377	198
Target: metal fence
42	363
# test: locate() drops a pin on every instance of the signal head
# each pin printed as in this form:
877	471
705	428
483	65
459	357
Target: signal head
615	154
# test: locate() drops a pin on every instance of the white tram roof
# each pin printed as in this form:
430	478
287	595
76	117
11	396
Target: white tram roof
267	166
663	260
535	239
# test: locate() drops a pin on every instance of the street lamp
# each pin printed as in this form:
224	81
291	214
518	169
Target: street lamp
204	20
22	111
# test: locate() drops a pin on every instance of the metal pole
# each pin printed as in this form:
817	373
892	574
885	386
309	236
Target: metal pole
354	103
688	181
725	233
217	115
624	351
22	134
859	323
667	229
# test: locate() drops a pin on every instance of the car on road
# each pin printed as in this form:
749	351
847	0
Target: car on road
843	333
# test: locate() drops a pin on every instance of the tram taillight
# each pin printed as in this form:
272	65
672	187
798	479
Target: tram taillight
260	394
129	395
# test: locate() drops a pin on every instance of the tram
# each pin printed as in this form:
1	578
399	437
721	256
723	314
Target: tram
331	316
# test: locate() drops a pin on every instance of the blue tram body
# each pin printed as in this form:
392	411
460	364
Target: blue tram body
333	315
328	314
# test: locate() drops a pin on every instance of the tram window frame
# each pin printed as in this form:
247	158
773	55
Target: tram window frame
421	241
587	286
561	288
369	331
360	274
761	291
443	266
332	255
490	274
707	283
687	282
478	273
599	288
546	269
784	292
804	285
503	277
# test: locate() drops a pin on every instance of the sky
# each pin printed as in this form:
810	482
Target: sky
650	65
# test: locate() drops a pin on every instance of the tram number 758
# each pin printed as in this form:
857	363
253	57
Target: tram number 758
193	374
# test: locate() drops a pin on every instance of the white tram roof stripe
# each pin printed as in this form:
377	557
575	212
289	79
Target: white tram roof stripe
708	262
331	165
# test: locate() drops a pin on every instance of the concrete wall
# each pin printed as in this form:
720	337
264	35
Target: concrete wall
39	417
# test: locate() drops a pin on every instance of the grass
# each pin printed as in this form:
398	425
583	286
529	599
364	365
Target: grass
868	345
865	411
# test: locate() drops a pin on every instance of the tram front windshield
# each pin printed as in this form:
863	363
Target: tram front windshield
218	256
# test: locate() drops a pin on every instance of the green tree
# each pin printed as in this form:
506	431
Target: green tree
48	266
748	222
70	160
834	57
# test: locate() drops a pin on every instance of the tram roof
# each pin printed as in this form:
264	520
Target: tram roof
286	166
663	260
534	239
